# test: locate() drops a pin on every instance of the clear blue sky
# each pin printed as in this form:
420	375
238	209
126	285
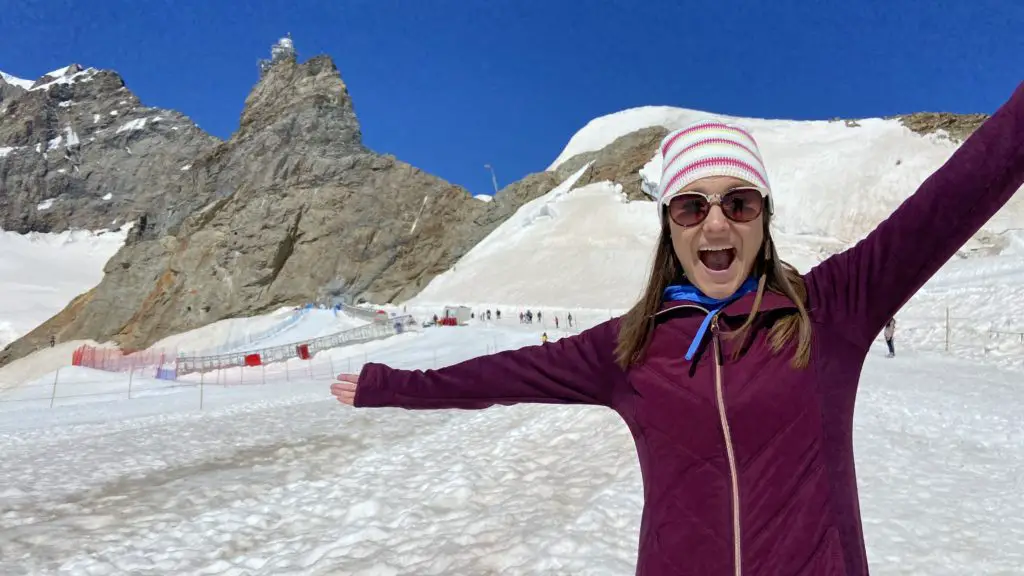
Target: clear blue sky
449	85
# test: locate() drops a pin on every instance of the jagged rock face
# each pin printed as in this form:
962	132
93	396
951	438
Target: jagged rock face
618	162
9	91
958	126
292	208
308	100
81	151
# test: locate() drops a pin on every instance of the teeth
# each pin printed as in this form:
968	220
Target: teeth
714	248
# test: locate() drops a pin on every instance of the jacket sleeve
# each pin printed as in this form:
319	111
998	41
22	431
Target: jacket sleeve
861	288
577	369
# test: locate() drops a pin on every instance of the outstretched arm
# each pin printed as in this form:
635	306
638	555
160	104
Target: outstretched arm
574	370
864	286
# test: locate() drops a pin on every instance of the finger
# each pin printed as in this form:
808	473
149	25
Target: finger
344	396
343	388
354	378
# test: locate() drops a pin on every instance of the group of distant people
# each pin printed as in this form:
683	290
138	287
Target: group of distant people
526	317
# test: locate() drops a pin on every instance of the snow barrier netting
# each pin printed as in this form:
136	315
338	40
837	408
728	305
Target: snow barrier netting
169	364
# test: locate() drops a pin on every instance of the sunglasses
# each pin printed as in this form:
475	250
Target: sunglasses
739	205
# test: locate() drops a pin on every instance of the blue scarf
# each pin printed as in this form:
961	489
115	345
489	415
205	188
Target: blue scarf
690	293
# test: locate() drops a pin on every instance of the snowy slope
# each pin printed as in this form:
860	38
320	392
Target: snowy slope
15	81
832	183
587	248
42	273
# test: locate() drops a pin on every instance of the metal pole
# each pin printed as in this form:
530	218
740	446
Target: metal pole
494	179
54	396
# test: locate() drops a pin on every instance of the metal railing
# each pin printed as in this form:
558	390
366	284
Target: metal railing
373	331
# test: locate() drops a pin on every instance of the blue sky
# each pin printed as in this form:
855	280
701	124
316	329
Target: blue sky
449	85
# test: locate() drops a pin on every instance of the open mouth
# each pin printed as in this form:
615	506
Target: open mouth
718	259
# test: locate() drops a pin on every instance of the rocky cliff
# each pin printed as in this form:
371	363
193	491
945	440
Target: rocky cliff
292	208
78	150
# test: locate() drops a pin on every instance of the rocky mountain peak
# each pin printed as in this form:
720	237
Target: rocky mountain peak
79	150
308	98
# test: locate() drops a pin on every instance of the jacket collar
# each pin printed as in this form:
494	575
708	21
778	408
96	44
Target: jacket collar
741	307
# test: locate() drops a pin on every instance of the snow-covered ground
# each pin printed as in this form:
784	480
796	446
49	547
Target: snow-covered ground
278	478
259	471
41	273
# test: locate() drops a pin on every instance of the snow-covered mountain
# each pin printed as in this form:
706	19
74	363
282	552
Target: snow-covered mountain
833	182
15	81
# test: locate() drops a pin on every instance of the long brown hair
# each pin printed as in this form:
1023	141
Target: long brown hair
773	274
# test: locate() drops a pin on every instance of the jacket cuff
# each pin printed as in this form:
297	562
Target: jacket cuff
372	390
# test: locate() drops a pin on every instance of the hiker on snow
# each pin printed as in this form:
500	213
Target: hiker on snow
736	374
890	334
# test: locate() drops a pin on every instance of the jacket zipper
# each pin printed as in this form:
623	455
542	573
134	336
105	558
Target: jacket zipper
734	476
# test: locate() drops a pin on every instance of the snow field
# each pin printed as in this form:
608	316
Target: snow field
280	479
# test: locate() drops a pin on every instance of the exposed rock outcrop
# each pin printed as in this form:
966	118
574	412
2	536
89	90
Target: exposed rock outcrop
80	151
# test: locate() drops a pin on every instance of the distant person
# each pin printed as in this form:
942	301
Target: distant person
53	341
737	374
890	335
538	315
498	314
544	337
556	322
569	318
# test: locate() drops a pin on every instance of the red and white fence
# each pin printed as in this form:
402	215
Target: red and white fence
169	364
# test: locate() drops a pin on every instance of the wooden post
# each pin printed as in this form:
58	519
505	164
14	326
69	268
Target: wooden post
201	387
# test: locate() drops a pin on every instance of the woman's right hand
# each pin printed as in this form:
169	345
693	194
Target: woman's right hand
344	389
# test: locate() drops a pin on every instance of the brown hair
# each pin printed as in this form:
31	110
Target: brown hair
637	325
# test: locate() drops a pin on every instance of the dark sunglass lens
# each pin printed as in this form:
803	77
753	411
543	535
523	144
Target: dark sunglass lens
743	204
688	209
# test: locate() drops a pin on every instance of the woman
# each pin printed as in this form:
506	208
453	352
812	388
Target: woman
735	374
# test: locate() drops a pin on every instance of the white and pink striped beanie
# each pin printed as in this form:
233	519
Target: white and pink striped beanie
709	148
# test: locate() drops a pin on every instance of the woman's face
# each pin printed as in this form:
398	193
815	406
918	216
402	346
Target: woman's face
717	253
